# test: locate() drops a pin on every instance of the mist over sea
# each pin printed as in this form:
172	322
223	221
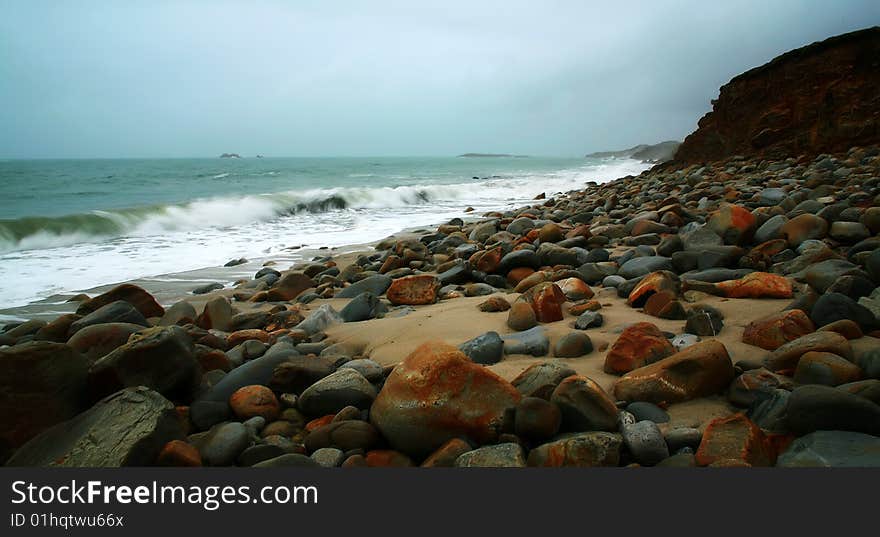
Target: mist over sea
69	225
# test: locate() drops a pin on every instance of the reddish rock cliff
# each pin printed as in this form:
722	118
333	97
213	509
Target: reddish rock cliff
824	97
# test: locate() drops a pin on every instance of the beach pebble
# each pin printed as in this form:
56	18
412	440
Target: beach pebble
573	345
340	389
584	405
645	442
485	349
508	455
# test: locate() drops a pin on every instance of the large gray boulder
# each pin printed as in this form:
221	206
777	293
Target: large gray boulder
127	428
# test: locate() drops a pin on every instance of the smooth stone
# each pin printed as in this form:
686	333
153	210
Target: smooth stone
533	341
832	449
645	442
643	410
508	455
485	349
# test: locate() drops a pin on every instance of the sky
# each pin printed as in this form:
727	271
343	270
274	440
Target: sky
344	78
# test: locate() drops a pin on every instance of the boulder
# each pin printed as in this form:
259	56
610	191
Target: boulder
486	349
128	428
697	371
786	357
134	295
823	408
414	290
114	312
289	286
539	380
376	284
41	384
638	345
777	329
734	438
160	358
98	340
507	455
345	387
437	394
589	449
826	368
832	449
584	405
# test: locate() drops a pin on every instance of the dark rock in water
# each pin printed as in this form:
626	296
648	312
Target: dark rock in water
642	410
363	307
645	442
114	312
98	340
236	262
704	321
336	391
533	341
485	349
128	428
134	295
160	358
589	449
207	288
813	408
41	384
832	449
376	284
641	266
833	307
223	444
507	455
539	380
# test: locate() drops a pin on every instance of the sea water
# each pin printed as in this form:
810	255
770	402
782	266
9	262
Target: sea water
71	225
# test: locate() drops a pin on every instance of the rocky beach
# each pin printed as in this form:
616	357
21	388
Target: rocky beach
721	309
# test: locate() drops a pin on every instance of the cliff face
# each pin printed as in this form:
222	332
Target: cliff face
824	97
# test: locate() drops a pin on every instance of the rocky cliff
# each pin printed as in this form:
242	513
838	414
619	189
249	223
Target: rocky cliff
824	97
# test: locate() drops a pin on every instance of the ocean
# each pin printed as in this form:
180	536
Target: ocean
67	226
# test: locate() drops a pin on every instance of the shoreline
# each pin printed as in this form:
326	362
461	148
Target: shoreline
720	268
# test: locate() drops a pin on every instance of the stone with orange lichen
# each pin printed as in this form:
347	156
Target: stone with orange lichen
240	336
445	455
486	260
589	305
700	370
591	449
756	285
179	453
638	345
733	223
387	458
775	330
437	394
575	289
518	274
661	281
734	438
546	300
414	290
255	400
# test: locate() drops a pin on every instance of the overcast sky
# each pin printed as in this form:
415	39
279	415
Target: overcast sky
198	78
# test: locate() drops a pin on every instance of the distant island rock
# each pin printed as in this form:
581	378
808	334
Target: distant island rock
662	152
493	155
230	155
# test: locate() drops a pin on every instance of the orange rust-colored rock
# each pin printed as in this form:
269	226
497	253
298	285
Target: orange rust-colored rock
387	458
214	359
589	305
655	282
531	281
514	276
734	438
665	305
702	369
546	300
486	260
317	423
445	455
134	295
240	336
255	400
733	223
637	346
179	453
414	290
777	329
756	285
821	98
437	394
575	289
